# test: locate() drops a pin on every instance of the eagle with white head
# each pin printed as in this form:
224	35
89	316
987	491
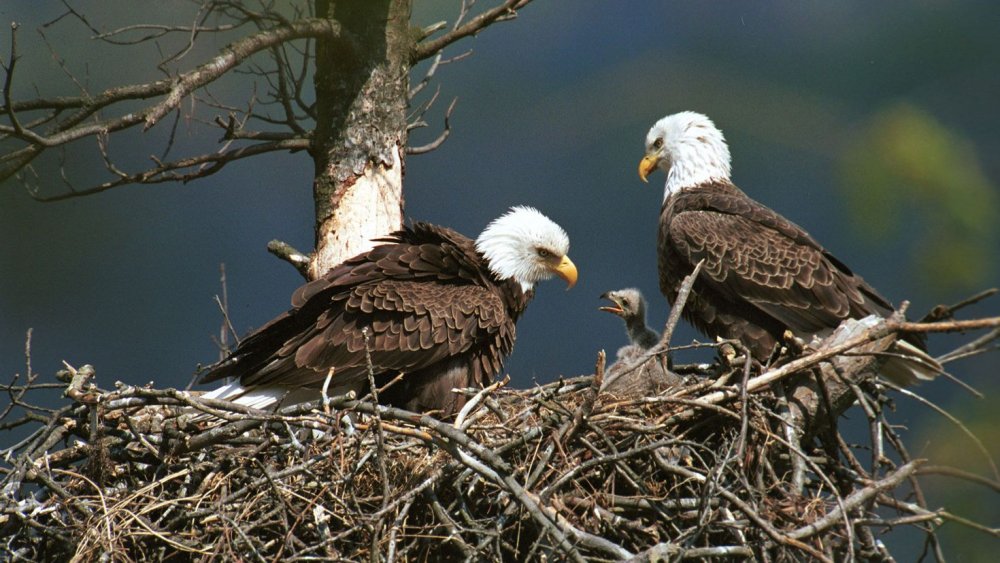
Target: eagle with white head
438	307
763	274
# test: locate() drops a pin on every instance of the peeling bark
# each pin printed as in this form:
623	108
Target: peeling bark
360	130
367	208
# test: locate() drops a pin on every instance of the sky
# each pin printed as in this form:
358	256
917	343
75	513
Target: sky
552	111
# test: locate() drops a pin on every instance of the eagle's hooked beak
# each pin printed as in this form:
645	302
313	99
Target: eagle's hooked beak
647	165
567	271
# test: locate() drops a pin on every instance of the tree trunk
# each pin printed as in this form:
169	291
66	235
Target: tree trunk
361	101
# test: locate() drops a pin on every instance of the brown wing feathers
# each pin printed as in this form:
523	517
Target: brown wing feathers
762	273
428	300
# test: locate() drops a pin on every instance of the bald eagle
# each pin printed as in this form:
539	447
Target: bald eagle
439	309
653	375
763	274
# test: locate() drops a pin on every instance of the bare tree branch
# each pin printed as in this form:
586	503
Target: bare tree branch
505	11
285	251
205	165
441	138
175	90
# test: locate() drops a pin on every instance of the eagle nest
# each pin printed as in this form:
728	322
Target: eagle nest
739	461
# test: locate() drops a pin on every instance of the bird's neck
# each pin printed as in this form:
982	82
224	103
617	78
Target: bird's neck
639	333
676	186
694	165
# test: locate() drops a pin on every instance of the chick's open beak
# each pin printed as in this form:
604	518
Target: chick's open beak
647	165
616	309
567	271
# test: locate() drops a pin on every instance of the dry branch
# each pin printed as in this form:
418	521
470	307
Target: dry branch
561	471
81	123
506	10
283	54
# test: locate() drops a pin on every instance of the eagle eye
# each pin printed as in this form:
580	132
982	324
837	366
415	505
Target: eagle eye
543	253
658	143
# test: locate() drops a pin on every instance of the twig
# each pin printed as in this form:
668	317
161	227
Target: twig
977	346
423	149
288	253
430	48
954	420
379	437
945	326
773	533
947	311
856	499
668	331
478	398
960	474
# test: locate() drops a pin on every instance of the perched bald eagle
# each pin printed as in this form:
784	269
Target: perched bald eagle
653	375
439	309
763	274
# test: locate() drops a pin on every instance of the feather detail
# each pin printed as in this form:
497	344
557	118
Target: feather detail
762	274
433	306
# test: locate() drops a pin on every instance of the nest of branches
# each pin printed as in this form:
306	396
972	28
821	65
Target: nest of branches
738	461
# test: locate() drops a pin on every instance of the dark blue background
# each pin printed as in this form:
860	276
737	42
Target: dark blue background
552	112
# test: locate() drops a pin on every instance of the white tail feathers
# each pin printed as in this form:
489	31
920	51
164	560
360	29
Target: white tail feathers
906	364
261	398
910	365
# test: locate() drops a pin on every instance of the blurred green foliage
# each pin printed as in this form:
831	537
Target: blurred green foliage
947	444
905	158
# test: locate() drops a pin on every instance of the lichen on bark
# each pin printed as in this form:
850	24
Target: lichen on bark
361	129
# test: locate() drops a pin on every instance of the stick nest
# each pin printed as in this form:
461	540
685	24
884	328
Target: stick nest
729	464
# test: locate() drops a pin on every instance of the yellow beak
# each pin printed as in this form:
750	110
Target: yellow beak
647	165
567	271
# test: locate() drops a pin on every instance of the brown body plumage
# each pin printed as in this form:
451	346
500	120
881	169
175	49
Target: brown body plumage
762	274
434	309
